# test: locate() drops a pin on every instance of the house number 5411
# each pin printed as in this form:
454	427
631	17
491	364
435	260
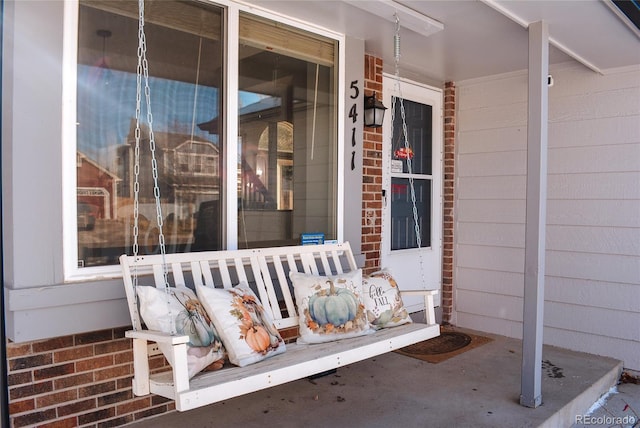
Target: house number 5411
353	114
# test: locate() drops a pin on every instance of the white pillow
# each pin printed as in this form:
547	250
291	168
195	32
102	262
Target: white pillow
246	329
182	312
382	300
329	307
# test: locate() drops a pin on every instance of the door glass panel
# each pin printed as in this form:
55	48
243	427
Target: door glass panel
403	234
419	133
418	125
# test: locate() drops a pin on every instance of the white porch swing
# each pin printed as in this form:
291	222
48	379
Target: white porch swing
267	269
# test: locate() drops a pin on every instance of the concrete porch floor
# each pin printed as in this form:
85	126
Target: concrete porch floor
478	388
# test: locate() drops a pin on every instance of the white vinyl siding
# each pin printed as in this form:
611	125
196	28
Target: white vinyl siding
592	289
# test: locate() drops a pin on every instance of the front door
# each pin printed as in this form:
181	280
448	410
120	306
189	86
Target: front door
412	186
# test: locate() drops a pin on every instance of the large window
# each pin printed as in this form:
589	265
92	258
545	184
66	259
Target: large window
286	146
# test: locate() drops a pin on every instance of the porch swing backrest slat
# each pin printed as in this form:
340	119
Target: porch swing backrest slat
158	276
286	292
269	289
308	265
196	273
178	277
261	285
242	277
224	273
336	262
205	270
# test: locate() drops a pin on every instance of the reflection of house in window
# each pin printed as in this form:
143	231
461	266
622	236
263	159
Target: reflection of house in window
195	157
188	171
265	178
96	186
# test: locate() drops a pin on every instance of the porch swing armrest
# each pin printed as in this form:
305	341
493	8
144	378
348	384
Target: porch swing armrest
175	346
157	336
429	305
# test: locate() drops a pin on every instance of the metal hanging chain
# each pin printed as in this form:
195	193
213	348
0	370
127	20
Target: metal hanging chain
142	71
416	224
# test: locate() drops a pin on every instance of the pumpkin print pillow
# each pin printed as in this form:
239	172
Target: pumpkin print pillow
330	307
382	300
181	312
246	328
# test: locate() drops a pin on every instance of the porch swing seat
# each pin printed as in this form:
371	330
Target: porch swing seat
266	269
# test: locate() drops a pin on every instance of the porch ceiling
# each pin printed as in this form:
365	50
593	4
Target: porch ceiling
480	38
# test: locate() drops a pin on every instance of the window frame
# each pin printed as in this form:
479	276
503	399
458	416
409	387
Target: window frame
231	12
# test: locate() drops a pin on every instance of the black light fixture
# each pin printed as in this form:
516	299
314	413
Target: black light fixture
373	111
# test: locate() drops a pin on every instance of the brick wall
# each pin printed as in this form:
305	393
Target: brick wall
448	194
82	380
372	173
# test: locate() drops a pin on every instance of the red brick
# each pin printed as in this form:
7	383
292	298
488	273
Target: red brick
113	346
75	353
123	383
54	371
94	337
113	372
156	399
132	406
123	357
96	416
51	344
56	398
116	422
153	411
18	349
96	389
30	362
34	418
115	398
158	361
16	407
73	380
94	363
20	378
30	390
77	407
61	423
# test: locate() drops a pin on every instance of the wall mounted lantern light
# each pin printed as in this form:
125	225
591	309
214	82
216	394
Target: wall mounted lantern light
373	111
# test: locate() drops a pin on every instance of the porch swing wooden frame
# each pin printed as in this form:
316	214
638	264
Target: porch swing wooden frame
266	268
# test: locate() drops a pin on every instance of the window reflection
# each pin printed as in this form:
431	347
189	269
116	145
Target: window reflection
287	166
185	59
287	144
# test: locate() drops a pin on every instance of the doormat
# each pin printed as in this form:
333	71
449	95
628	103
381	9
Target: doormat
448	344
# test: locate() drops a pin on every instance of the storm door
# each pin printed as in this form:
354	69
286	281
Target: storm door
412	185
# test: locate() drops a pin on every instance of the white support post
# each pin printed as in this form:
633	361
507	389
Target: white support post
531	394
